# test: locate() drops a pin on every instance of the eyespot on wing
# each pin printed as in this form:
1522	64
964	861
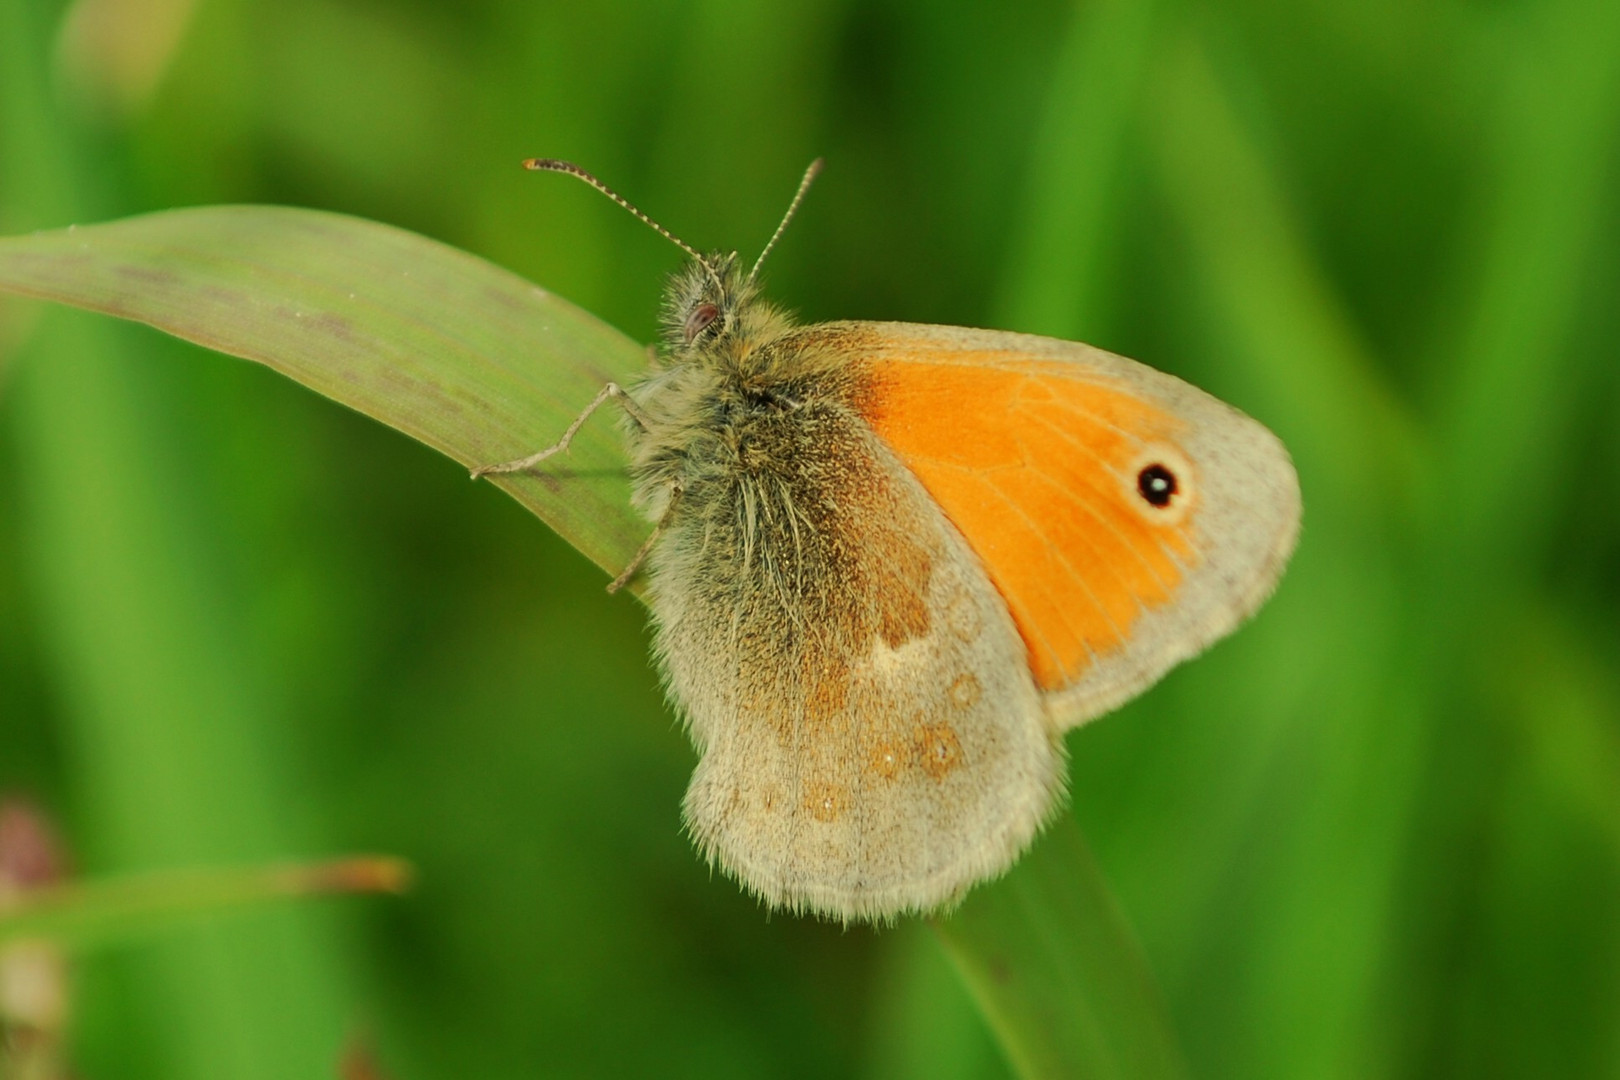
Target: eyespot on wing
1127	518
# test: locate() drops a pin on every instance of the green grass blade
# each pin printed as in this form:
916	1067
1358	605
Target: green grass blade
464	356
1293	342
1562	699
118	909
1056	277
1056	969
1322	930
924	1022
1511	376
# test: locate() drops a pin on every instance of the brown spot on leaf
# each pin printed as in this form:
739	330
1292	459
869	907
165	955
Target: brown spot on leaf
154	277
333	325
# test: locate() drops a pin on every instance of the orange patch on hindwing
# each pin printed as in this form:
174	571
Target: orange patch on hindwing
1036	463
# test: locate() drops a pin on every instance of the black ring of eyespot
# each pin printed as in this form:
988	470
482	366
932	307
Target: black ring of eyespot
699	320
1157	485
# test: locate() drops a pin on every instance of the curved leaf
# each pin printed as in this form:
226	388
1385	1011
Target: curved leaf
466	357
1057	971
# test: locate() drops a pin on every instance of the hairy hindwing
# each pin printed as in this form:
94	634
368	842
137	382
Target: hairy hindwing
871	740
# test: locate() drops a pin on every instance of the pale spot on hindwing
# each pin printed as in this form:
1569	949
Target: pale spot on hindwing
965	691
885	758
962	618
939	752
825	801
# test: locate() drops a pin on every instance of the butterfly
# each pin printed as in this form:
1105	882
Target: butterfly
891	564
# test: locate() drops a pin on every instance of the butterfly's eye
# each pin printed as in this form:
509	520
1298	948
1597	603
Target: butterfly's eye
1157	484
699	320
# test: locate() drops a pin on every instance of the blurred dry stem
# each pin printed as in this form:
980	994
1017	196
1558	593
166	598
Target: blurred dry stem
114	908
34	991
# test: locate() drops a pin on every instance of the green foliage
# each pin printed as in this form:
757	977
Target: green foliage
1376	833
474	362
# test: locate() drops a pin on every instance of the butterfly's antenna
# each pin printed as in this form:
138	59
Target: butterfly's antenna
793	208
553	165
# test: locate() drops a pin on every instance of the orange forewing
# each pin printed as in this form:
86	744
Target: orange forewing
1034	461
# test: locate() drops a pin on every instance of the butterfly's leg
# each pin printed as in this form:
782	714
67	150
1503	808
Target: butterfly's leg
647	545
611	390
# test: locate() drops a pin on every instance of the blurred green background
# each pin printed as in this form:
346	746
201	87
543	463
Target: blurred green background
1377	833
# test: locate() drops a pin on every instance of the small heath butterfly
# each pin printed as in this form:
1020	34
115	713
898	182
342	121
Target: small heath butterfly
891	564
